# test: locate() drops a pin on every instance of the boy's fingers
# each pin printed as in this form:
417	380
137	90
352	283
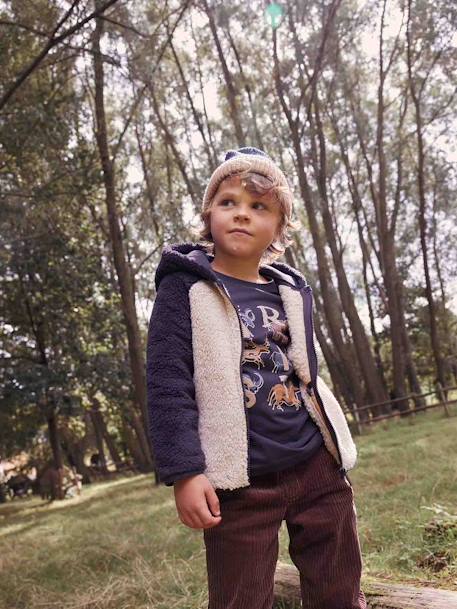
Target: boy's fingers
213	502
202	518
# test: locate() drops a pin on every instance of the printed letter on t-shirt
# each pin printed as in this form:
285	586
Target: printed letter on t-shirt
268	318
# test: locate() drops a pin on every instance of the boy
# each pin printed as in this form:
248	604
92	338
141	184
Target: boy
240	422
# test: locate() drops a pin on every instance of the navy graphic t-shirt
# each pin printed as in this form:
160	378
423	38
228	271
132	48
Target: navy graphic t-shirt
281	432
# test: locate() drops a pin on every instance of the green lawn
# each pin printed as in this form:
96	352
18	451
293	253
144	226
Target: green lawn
121	545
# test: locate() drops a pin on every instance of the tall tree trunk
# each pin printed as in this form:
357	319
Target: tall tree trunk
195	113
375	391
95	416
402	362
365	243
257	134
112	449
202	94
329	355
450	362
229	83
171	142
131	441
54	440
77	447
342	381
98	421
437	348
333	314
136	351
76	452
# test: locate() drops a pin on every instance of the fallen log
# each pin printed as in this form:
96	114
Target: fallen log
378	595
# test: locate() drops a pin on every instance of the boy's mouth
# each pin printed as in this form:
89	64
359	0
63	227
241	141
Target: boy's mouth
241	230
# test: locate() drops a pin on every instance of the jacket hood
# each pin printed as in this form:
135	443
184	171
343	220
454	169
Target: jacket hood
193	258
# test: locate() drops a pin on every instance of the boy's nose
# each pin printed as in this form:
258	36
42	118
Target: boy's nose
242	213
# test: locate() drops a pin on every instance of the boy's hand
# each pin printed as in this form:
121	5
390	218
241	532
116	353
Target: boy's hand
197	502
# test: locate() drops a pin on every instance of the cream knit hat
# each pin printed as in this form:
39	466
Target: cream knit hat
252	159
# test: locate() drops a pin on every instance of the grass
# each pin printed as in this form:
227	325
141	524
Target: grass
121	545
406	479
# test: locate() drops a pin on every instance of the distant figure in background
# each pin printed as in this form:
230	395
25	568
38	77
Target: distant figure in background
19	485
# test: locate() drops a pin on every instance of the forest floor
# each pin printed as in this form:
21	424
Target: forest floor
120	545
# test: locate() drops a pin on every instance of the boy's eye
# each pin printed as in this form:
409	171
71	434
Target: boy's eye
226	202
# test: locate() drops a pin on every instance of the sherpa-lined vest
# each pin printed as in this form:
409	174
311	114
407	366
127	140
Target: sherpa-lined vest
217	344
197	417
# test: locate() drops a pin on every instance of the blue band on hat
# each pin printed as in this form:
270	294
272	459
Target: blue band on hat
246	150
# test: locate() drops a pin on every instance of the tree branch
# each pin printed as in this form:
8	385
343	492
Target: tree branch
52	42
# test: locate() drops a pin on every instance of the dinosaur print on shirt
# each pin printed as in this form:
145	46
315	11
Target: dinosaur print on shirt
281	432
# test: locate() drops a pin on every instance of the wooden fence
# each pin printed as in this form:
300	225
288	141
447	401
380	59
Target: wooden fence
367	417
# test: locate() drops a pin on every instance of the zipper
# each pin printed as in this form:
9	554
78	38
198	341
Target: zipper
219	283
313	372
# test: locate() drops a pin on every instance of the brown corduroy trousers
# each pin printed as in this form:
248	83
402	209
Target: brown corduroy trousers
317	504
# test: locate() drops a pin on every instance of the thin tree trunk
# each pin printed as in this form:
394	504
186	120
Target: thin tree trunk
437	348
257	136
170	141
195	114
95	416
136	350
112	449
131	441
392	282
54	440
333	314
150	191
202	93
358	211
231	89
375	391
443	304
342	382
100	424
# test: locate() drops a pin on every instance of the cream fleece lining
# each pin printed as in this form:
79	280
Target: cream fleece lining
217	345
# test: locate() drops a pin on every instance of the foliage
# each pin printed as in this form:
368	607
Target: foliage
182	85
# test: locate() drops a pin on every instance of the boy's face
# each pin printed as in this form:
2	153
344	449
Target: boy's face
234	208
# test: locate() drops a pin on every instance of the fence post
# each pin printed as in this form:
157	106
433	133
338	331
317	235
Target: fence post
411	411
357	420
443	398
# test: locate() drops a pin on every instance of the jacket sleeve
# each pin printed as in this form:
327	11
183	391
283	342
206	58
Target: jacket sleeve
172	408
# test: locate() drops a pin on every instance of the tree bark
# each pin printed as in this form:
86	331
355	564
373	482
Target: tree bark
378	595
136	350
131	441
54	440
100	423
96	418
402	362
437	348
231	89
343	382
375	391
330	299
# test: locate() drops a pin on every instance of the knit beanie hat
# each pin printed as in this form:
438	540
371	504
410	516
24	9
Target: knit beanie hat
252	159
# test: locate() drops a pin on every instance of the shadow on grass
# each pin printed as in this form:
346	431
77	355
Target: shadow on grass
92	503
